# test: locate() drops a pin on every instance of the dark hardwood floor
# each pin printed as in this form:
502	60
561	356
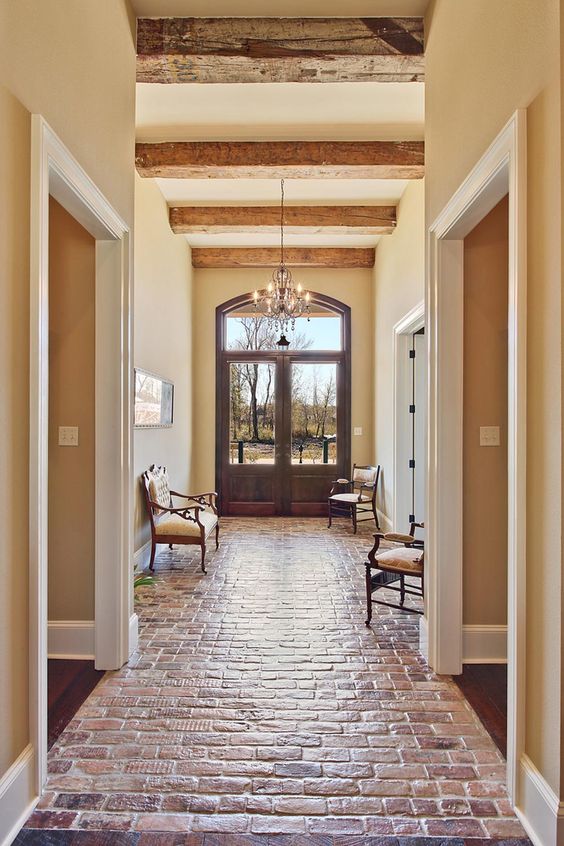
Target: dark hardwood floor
485	688
68	685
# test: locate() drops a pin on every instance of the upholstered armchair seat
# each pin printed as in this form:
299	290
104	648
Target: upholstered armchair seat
175	524
350	497
408	561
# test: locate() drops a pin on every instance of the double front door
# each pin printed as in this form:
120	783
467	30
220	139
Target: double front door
283	430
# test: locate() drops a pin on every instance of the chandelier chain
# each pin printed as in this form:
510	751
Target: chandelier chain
282	222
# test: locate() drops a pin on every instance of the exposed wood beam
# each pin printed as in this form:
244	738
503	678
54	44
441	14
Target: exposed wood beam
277	159
306	220
335	257
280	50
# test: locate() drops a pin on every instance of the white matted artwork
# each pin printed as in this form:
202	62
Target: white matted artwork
154	401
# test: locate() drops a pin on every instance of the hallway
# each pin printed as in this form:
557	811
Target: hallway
260	703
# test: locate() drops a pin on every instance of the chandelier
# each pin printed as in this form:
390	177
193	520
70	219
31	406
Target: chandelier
282	301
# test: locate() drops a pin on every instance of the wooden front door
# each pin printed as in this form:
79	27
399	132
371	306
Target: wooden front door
283	429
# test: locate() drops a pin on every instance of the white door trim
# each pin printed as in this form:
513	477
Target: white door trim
502	170
403	329
55	172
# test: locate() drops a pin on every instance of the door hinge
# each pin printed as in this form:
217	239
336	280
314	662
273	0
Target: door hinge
412	409
412	353
411	463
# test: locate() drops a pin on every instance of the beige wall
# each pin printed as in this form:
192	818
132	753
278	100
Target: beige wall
90	104
484	60
213	287
486	259
399	286
163	340
72	270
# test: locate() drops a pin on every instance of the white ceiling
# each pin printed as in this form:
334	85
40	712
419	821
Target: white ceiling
237	192
280	111
278	8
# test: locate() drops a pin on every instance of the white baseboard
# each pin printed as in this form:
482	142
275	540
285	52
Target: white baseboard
539	810
17	796
142	556
484	644
133	633
70	639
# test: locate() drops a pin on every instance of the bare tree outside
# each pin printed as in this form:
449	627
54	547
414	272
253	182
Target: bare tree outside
252	400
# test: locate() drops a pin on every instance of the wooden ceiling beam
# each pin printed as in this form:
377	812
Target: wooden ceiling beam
332	257
234	50
277	159
360	220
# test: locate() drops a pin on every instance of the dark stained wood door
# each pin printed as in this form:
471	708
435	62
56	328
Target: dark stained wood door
291	475
300	417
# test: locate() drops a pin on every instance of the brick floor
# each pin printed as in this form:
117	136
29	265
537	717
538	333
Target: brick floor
259	703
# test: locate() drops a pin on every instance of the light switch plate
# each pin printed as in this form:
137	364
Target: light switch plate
68	435
489	436
357	430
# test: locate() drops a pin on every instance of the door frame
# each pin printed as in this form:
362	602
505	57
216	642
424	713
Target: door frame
403	330
501	171
246	299
55	172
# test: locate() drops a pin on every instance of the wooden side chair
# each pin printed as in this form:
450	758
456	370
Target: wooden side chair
348	498
406	559
190	524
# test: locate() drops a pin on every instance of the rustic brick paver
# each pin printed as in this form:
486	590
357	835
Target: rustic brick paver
259	703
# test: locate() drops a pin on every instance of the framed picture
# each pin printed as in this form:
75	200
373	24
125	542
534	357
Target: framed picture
154	401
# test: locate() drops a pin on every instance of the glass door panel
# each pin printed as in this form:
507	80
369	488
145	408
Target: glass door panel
314	413
252	412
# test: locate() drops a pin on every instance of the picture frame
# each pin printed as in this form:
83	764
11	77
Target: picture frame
153	401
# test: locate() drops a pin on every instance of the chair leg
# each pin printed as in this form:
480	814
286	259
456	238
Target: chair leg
402	590
217	536
152	559
203	558
368	596
354	521
330	515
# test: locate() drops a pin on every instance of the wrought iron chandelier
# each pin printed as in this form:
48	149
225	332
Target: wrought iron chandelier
282	301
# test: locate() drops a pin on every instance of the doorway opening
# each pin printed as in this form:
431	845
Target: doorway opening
71	467
485	471
283	412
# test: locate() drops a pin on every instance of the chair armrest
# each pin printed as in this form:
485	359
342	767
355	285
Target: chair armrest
207	498
399	537
338	483
378	536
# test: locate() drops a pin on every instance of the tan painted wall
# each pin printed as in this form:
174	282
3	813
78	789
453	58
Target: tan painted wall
91	105
399	285
484	60
213	287
72	270
486	256
163	340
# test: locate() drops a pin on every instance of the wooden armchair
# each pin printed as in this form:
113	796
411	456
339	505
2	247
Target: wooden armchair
190	524
407	559
350	497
